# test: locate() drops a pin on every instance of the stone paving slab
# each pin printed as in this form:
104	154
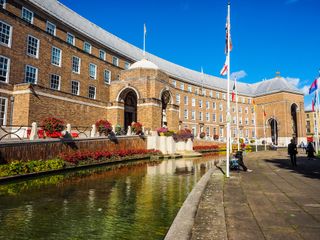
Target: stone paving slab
275	201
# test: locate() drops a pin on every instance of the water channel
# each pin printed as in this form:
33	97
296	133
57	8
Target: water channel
136	200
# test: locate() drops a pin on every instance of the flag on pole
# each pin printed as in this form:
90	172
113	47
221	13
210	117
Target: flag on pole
233	91
314	86
314	101
145	29
224	70
228	26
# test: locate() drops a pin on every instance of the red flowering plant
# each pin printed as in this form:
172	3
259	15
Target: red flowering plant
216	137
206	148
104	127
136	128
52	126
202	135
183	135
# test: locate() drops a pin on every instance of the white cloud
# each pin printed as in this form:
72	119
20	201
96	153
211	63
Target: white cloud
294	81
308	107
238	75
305	90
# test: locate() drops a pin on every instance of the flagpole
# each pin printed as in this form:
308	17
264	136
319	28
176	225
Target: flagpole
144	40
228	94
317	122
255	128
264	130
237	110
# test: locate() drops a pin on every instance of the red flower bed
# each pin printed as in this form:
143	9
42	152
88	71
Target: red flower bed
136	128
104	127
204	148
77	157
52	125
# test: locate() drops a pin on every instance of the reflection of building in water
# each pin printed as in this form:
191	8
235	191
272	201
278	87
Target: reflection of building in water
171	167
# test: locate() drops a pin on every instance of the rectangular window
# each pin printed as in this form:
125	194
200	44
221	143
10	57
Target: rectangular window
127	65
240	121
221	131
4	69
31	74
247	133
217	95
207	105
92	92
75	87
70	39
182	86
194	131
56	56
174	83
185	100
214	106
93	71
27	15
55	82
3	4
33	46
214	118
87	47
249	100
243	100
115	61
207	117
252	110
211	93
107	76
5	34
196	91
221	118
246	110
233	109
76	63
178	98
204	92
208	131
102	55
189	88
51	28
193	102
253	133
220	107
234	121
200	116
252	121
223	96
240	109
186	114
246	120
3	111
200	103
193	115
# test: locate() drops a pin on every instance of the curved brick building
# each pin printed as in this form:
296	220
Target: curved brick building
53	62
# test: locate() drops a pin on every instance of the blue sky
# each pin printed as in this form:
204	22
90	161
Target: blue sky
268	35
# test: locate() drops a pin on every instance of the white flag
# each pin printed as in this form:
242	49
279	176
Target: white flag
145	29
224	70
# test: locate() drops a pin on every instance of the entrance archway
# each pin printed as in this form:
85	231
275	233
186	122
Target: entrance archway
294	108
274	130
165	100
129	98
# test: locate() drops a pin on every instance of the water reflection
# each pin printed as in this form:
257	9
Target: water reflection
133	201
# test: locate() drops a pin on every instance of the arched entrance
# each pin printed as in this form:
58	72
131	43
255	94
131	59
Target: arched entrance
165	100
274	130
129	98
294	108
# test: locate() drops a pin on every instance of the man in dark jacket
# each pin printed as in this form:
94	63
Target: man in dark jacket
292	151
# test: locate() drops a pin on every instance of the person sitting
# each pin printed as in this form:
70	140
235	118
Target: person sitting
310	150
239	156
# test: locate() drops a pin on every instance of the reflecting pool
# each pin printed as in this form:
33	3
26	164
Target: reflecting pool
137	200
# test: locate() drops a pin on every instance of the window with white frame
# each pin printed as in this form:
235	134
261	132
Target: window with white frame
253	133
246	110
194	131
3	111
178	98
5	34
200	103
189	88
234	132
204	92
221	131
214	131
93	71
243	100
56	56
240	109
247	133
241	133
3	4
207	105
75	87
87	47
249	100
252	121
27	15
214	117
4	69
211	93
174	83
76	63
196	91
92	92
208	117
51	28
223	96
200	116
33	45
185	100
115	61
31	74
217	95
71	39
55	82
193	102
107	76
240	120
221	118
214	106
193	115
220	107
246	120
102	54
182	86
127	65
186	114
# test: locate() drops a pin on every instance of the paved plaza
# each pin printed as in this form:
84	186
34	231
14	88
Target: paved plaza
275	201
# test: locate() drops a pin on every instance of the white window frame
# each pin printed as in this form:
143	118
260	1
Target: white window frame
221	107
200	116
104	54
211	93
10	36
223	96
208	117
174	83
8	70
182	86
4	4
207	105
60	57
214	106
217	95
193	102
95	71
104	76
27	10
73	43
38	47
5	111
79	66
221	118
200	103
178	99
127	65
115	63
51	75
78	92
89	45
95	92
55	28
214	117
36	74
189	88
186	114
193	115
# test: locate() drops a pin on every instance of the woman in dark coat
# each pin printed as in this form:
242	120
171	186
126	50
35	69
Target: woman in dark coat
310	150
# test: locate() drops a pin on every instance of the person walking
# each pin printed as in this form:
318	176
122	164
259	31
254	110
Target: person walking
310	150
292	151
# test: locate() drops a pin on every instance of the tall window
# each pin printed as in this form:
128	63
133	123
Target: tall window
76	62
193	102
211	93
186	114
92	92
178	98
115	61
224	96
102	55
204	92
27	15
5	34
200	103
3	111
126	65
200	116
217	95
221	131
246	120
70	39
31	74
56	56
87	47
214	106
75	87
207	105
189	88
220	107
3	4
93	71
182	86
4	69
214	118
33	46
55	82
186	100
51	28
221	118
193	115
107	76
207	117
174	83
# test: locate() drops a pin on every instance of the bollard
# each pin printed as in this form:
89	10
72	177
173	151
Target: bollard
34	131
93	131
69	128
129	133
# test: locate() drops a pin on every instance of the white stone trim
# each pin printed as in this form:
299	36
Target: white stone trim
148	104
115	107
5	91
135	90
174	110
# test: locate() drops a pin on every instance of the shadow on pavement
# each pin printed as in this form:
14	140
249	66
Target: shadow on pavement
308	167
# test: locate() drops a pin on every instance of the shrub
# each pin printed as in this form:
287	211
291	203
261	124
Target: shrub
103	127
252	141
52	125
136	128
119	130
202	135
241	140
216	137
183	135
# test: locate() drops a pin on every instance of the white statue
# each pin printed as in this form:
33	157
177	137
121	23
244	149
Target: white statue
164	118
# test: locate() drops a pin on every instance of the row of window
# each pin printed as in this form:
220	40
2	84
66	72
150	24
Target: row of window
28	16
242	133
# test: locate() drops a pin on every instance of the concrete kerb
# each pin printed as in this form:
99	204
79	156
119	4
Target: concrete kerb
181	228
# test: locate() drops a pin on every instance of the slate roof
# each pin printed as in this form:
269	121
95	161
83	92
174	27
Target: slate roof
91	30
